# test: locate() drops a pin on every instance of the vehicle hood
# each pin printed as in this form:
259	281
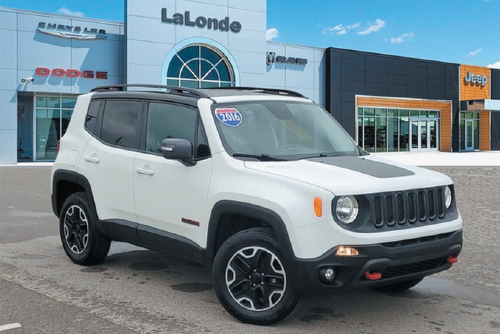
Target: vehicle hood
353	175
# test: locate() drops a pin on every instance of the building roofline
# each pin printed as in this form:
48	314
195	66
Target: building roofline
297	46
395	56
62	16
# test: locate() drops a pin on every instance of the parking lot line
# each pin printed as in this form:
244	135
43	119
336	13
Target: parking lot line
9	326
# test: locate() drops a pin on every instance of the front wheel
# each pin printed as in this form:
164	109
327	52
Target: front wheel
82	241
251	280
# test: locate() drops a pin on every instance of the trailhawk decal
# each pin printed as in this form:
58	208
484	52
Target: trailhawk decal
228	116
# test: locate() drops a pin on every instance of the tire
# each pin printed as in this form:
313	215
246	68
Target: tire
81	240
251	280
401	286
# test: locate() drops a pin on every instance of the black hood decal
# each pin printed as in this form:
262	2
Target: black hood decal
365	166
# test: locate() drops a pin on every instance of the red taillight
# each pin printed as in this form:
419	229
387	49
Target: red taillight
58	146
452	259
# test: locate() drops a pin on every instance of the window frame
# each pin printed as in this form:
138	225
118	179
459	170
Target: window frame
199	125
98	126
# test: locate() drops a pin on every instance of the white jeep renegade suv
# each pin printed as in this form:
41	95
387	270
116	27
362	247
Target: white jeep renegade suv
263	185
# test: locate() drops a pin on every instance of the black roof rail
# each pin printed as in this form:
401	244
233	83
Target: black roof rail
157	89
263	90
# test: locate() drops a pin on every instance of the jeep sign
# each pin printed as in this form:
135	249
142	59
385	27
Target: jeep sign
476	79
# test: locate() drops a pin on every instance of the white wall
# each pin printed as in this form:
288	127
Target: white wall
149	40
24	49
308	80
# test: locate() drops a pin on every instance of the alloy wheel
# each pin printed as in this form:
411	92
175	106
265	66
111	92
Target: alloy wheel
255	278
76	229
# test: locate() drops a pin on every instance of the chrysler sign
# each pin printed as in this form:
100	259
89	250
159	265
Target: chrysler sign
74	32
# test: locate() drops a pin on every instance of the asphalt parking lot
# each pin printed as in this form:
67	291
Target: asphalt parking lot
138	291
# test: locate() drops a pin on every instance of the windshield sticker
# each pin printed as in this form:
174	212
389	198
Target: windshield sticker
228	116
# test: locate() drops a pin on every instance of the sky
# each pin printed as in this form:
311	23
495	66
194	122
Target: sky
457	31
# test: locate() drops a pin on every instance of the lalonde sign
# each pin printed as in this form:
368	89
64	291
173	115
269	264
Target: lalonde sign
224	24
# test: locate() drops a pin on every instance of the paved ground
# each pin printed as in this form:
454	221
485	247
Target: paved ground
137	291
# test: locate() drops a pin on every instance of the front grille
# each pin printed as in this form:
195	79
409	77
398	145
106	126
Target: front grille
413	268
408	207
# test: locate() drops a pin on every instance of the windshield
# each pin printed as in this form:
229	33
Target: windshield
280	130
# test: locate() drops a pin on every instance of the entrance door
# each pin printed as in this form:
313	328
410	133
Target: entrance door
25	128
423	134
469	135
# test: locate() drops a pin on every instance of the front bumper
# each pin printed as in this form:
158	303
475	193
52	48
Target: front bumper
394	261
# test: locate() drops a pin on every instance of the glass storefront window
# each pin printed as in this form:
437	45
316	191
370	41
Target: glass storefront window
469	131
52	116
369	133
381	125
404	134
388	129
47	133
392	134
369	111
360	131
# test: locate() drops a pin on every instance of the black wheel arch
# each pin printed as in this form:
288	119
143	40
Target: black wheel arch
221	226
66	183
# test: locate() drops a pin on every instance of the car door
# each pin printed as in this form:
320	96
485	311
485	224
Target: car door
170	196
108	157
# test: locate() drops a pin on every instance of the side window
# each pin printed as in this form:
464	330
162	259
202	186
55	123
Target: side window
169	121
92	113
121	123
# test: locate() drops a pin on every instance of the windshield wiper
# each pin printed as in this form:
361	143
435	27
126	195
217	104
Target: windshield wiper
262	157
320	155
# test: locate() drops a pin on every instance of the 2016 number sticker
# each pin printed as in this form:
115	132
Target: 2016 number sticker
228	116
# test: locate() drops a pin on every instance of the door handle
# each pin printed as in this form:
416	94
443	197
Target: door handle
92	158
145	171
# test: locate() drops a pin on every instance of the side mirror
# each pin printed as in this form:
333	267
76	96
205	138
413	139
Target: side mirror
178	149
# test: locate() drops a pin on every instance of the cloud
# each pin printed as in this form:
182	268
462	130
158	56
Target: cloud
372	27
475	52
272	34
403	38
340	29
66	11
495	65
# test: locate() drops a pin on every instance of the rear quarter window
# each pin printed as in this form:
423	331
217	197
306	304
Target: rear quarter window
121	123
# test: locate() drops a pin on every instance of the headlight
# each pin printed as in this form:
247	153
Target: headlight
448	197
347	209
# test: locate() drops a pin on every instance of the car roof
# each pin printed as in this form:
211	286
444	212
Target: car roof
196	93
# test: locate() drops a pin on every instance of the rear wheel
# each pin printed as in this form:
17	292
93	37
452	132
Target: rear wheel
251	280
81	240
401	286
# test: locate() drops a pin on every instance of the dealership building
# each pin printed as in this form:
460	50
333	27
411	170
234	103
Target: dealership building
386	103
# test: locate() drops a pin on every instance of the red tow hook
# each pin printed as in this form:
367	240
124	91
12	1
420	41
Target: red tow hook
452	259
373	276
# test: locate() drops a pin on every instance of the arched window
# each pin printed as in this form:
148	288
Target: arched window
199	66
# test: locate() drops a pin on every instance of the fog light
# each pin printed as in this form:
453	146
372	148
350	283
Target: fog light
346	251
327	274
